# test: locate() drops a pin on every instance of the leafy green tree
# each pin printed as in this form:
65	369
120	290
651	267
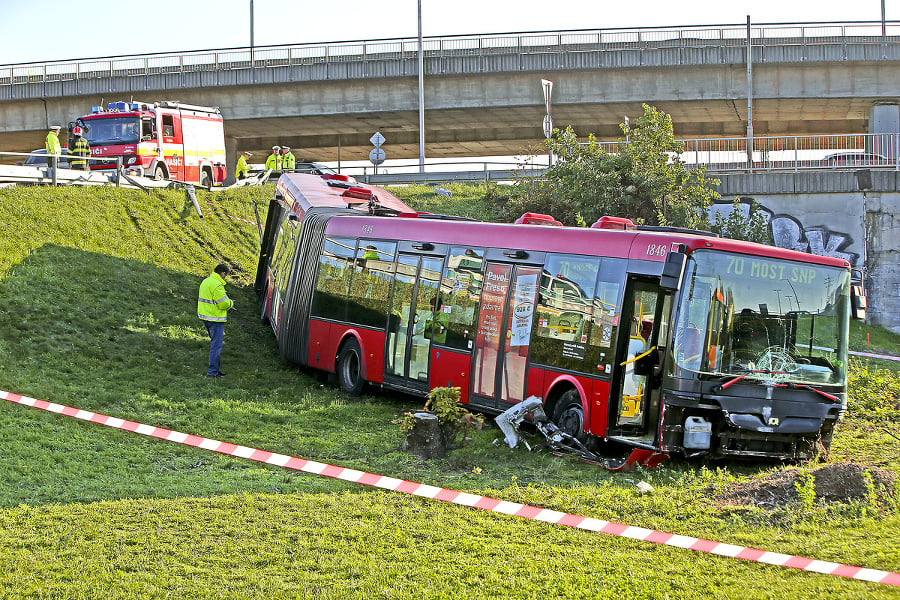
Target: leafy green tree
644	180
752	226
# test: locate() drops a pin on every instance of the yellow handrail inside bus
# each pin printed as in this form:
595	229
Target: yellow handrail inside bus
639	356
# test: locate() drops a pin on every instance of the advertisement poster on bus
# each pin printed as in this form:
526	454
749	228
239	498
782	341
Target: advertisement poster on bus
523	310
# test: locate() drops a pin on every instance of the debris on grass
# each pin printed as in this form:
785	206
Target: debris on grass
835	482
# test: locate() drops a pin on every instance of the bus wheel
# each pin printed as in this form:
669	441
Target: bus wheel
349	368
569	416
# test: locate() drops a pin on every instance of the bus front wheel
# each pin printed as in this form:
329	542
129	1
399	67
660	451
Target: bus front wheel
569	416
349	368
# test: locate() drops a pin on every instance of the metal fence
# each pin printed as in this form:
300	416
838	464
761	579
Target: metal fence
834	36
795	153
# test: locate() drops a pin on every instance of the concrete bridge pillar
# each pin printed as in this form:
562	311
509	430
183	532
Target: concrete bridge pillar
231	158
884	119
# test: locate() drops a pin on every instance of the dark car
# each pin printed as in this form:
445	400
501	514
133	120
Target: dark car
38	158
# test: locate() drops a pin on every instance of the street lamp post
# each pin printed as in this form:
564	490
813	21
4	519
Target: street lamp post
421	97
252	58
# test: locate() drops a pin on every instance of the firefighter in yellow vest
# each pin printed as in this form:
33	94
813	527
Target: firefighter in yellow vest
80	151
242	170
213	305
51	145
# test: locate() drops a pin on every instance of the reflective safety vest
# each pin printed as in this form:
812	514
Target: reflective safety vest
288	161
273	162
213	303
52	144
242	169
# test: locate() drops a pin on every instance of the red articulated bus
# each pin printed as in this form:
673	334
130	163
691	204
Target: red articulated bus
663	340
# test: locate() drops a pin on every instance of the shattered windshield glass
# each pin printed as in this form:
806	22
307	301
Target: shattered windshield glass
110	131
766	319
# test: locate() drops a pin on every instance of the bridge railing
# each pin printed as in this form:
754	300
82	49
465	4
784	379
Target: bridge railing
790	153
718	155
762	36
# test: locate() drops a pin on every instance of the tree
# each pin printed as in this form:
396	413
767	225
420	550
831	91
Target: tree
644	180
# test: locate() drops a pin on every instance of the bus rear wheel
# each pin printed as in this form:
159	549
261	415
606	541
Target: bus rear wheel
569	417
349	368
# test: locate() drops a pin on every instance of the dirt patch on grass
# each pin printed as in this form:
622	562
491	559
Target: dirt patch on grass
836	482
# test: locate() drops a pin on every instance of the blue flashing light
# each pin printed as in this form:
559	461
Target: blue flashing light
96	109
110	106
135	106
121	105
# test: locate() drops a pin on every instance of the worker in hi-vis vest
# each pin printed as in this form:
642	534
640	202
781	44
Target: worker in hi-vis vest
243	169
288	162
274	160
213	305
52	145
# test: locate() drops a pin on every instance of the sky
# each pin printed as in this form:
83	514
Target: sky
45	30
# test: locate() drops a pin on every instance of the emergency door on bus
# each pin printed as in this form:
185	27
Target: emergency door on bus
635	406
503	334
408	334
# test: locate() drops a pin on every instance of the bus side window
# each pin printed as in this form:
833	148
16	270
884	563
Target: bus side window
461	293
563	328
333	278
370	286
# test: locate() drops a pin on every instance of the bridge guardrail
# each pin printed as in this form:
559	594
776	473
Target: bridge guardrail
762	36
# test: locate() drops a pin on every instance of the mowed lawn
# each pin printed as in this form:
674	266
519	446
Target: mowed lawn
98	311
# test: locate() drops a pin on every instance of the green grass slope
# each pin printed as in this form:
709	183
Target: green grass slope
98	311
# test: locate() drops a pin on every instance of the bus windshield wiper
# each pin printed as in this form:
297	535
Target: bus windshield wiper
808	387
725	385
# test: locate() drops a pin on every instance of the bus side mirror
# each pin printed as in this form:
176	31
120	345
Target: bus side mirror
673	271
858	302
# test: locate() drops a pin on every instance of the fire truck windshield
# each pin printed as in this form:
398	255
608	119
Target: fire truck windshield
112	130
765	319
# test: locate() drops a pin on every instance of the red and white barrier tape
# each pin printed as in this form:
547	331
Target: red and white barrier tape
225	212
471	500
869	355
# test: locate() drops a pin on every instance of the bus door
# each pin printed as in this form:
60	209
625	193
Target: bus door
634	406
503	335
415	289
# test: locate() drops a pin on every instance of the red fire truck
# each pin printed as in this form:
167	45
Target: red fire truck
163	140
661	339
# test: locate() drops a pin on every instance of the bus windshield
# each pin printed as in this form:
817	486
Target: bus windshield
766	319
110	131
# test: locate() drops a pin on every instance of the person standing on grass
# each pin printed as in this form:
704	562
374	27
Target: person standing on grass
51	144
213	305
243	169
80	150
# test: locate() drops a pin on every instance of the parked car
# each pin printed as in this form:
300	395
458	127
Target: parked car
857	159
38	158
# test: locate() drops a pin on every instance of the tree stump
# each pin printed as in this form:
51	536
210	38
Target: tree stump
426	439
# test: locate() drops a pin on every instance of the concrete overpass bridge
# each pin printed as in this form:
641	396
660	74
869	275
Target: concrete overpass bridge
482	92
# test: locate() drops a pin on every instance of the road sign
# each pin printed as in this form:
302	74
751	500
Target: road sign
548	126
377	139
376	156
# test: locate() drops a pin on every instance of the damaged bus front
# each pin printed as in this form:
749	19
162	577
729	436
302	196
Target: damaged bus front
758	362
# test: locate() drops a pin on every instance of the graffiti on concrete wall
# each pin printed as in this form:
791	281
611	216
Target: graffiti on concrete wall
790	233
